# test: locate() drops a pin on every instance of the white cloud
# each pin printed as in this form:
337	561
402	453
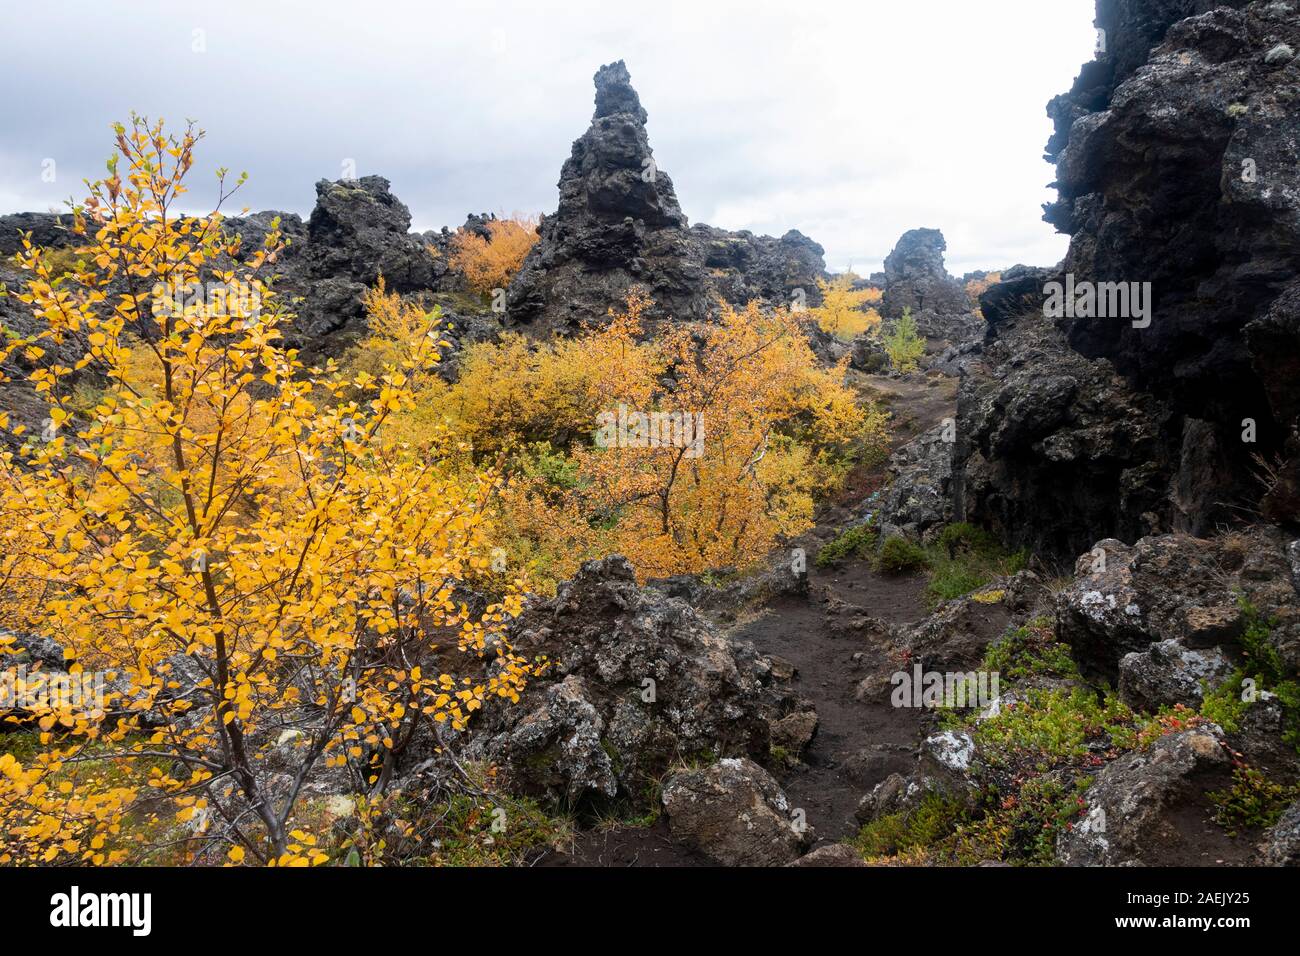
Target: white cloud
852	122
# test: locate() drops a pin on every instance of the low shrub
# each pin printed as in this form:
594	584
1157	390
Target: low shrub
858	541
900	556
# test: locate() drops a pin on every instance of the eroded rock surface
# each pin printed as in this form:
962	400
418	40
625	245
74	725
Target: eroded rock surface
638	680
734	812
619	225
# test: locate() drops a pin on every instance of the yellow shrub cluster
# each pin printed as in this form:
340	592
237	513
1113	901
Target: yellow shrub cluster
490	263
846	312
694	451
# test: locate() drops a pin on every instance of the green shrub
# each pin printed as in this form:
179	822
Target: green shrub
1053	727
953	579
904	343
1039	811
962	536
1030	651
1225	704
964	558
1265	661
539	460
1261	656
1253	800
900	556
933	819
859	541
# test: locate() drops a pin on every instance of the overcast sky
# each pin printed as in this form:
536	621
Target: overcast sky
852	122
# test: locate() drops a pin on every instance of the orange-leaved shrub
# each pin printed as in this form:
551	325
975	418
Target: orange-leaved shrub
697	450
490	263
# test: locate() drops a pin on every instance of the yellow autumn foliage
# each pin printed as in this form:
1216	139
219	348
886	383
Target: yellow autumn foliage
774	429
490	263
846	312
240	544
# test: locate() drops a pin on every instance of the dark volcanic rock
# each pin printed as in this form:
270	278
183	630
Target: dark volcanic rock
1178	165
916	279
1055	450
1132	815
1169	673
919	493
637	680
357	232
619	225
1131	28
1175	588
1181	168
16	395
736	814
742	266
1282	844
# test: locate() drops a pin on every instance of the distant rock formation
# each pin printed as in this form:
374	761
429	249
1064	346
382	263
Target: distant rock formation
916	278
619	225
357	232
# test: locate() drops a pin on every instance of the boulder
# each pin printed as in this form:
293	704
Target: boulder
1168	673
1175	588
795	731
836	854
637	680
868	354
1282	841
946	766
736	814
1132	808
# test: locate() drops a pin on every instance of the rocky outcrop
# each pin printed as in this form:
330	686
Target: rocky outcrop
619	225
1132	810
915	278
946	766
1181	169
1054	450
637	680
357	232
743	266
919	494
736	814
1183	595
1176	166
832	855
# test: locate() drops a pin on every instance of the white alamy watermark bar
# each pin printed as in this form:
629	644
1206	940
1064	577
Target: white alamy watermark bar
628	428
922	688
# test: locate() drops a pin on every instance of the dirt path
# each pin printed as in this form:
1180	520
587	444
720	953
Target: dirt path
860	739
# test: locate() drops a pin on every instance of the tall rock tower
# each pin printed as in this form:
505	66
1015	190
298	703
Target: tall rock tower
618	225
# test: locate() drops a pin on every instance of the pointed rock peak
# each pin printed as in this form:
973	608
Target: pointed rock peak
614	93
